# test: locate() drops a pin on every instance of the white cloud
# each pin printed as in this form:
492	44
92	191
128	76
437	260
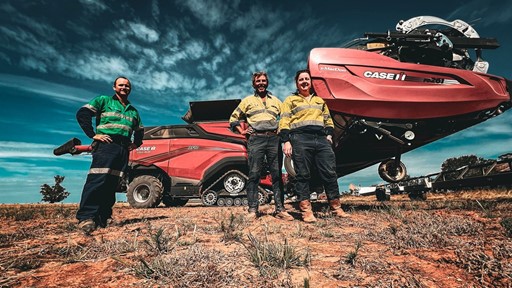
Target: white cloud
94	6
25	150
143	32
49	89
212	13
485	12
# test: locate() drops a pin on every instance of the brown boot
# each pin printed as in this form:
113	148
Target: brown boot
307	211
335	205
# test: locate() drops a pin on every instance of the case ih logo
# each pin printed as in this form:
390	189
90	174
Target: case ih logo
146	149
384	75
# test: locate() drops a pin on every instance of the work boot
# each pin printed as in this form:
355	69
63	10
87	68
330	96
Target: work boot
283	215
87	225
335	205
307	211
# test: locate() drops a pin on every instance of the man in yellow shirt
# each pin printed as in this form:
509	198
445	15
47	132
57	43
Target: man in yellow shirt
261	111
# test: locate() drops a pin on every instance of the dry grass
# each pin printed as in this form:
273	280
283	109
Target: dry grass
450	240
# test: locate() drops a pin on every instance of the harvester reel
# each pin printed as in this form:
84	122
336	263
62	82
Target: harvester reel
390	172
234	183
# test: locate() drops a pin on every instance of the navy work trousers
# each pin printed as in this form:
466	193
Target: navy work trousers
259	147
109	161
312	151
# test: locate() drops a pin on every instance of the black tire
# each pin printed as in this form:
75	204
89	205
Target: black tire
390	173
288	166
145	191
174	202
209	198
381	194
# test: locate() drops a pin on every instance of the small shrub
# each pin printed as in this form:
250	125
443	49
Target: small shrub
55	193
351	257
270	257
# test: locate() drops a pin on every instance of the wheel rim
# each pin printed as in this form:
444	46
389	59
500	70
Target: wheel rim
229	201
221	202
209	198
237	202
141	193
234	183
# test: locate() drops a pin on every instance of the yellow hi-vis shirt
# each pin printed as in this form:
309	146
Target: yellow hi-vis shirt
300	115
261	117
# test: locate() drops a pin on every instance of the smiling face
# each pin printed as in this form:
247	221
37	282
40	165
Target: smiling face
122	87
303	82
260	82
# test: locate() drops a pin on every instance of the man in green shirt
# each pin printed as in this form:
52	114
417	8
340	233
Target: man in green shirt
116	121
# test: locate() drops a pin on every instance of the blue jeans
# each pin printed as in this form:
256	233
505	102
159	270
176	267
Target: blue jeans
109	161
312	151
259	147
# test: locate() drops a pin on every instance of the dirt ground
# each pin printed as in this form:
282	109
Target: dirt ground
458	239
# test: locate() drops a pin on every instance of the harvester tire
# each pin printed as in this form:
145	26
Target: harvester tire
145	191
389	172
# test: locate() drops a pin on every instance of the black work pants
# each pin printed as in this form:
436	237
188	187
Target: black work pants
109	161
312	151
259	147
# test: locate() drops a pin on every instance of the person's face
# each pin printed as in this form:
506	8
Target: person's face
260	83
122	87
303	82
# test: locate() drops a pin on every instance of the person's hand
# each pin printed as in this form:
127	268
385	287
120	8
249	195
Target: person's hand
329	138
247	131
102	138
287	149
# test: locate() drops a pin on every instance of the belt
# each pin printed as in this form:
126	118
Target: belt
121	140
270	132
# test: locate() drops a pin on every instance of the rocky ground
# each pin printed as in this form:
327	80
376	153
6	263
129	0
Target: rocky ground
458	239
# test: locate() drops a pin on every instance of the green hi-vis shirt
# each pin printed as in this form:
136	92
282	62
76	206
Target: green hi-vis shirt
261	116
115	119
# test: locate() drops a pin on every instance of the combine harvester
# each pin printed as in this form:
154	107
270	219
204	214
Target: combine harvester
388	93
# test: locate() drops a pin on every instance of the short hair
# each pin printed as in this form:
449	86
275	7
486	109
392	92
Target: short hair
121	77
258	74
300	72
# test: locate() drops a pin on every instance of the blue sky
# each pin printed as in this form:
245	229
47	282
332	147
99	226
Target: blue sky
57	55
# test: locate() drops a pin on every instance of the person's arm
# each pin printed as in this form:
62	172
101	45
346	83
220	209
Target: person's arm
328	123
237	115
284	127
84	117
